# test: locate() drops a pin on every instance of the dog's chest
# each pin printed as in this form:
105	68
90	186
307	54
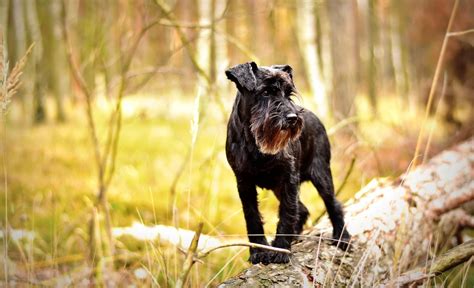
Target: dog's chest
268	172
269	180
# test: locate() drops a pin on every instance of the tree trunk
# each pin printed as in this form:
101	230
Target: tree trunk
344	70
395	227
400	52
53	60
388	67
306	35
4	8
372	28
34	35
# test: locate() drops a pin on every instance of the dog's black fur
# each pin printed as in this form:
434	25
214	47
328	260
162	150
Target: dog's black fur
274	144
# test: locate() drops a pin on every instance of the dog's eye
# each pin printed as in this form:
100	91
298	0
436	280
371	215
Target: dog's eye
267	92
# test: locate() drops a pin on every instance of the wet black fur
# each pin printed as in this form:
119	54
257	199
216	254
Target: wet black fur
304	157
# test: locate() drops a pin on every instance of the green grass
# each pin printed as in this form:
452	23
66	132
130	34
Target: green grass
52	181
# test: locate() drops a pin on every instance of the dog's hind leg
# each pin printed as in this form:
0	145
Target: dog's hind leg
303	215
322	179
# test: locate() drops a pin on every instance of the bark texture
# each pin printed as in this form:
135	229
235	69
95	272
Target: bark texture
397	226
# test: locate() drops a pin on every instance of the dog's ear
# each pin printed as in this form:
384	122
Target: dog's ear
285	68
243	75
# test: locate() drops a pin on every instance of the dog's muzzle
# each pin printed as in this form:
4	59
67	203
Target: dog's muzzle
292	119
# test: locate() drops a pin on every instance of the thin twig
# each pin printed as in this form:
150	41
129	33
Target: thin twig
430	134
84	89
346	177
189	260
246	244
189	25
460	33
343	123
182	36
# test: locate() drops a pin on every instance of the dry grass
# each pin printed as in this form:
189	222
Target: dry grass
10	81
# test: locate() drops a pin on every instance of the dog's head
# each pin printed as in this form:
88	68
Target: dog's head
266	100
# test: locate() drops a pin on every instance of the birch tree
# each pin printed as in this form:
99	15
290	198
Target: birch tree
306	35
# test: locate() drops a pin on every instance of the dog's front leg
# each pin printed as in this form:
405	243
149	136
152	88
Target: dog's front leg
253	219
286	228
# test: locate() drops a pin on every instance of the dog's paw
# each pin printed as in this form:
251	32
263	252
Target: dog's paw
278	257
341	241
268	257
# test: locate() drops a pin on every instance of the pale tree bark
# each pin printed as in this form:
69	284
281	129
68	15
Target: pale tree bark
4	8
55	57
15	39
388	69
221	59
211	50
344	70
306	35
396	226
204	43
34	35
18	17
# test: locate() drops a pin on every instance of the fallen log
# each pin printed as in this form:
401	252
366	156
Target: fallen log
397	226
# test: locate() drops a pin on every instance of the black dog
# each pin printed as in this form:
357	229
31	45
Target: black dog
274	144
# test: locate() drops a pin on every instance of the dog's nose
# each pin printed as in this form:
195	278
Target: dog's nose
291	118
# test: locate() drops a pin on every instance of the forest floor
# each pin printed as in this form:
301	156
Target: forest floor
52	184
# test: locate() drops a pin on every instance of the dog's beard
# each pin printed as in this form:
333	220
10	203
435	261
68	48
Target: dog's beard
270	135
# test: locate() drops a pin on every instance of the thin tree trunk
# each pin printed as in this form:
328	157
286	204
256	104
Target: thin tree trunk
220	44
386	41
396	227
34	35
306	36
343	66
4	9
204	42
53	56
372	44
400	53
318	13
16	41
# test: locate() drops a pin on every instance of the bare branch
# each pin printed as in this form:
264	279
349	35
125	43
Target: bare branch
182	36
189	25
79	79
245	244
348	173
190	256
460	33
